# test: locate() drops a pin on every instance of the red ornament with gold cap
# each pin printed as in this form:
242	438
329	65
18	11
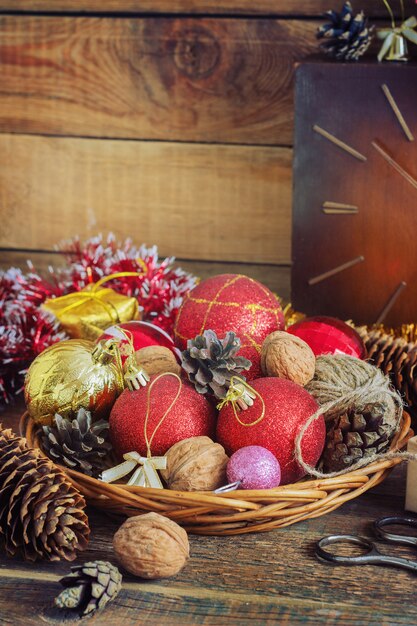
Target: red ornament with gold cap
231	301
149	420
270	412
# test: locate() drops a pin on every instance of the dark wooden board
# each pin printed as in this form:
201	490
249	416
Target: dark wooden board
245	7
183	79
270	578
383	230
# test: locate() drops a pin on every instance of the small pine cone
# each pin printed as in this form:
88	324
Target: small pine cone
41	513
347	37
89	587
353	436
211	362
78	444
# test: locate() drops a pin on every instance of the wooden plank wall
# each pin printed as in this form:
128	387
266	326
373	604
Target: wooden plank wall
169	121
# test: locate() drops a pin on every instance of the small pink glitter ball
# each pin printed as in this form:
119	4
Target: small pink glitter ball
255	467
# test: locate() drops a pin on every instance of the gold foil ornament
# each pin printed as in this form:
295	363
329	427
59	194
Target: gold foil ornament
72	374
86	313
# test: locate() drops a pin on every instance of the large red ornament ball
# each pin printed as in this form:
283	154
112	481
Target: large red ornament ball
287	408
142	334
192	415
329	335
231	302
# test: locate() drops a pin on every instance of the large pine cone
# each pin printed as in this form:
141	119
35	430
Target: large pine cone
211	362
78	444
41	513
353	436
396	356
347	37
89	587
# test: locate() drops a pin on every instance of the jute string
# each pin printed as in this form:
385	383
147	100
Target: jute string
343	383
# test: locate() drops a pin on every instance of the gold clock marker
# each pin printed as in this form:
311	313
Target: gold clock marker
338	208
395	165
391	301
335	270
397	112
338	142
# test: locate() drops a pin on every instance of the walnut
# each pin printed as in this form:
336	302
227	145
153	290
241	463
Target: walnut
157	359
287	356
196	464
151	546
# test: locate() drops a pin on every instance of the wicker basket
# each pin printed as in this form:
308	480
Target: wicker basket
237	512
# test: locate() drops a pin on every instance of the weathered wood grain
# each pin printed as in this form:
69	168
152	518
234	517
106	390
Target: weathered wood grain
184	79
245	7
276	277
209	202
271	578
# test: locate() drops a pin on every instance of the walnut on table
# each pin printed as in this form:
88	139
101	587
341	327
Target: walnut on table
151	546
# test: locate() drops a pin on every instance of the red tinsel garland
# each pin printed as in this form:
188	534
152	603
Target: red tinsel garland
26	330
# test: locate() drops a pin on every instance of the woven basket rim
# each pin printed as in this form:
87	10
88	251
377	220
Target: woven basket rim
234	512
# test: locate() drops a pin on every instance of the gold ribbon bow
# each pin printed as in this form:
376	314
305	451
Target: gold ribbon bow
394	47
146	474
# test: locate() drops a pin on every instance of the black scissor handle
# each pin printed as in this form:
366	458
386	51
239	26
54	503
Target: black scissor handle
337	559
380	524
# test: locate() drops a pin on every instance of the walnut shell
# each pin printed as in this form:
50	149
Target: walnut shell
196	464
287	356
157	360
151	546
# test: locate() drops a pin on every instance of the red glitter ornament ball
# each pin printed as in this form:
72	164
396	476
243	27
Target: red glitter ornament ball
329	335
287	408
190	416
143	335
231	302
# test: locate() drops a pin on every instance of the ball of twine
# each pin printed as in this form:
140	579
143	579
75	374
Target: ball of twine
343	383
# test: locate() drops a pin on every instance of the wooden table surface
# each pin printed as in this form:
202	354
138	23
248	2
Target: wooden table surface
270	578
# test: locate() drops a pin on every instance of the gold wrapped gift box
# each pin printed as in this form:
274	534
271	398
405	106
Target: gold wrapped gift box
86	313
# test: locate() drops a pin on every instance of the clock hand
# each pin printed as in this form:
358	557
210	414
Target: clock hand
394	164
338	208
340	268
344	146
397	112
391	301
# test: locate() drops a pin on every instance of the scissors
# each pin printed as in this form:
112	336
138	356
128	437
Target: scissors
372	556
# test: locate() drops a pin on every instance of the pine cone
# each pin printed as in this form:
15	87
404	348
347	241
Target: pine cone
78	444
347	37
396	357
41	513
211	362
89	587
353	436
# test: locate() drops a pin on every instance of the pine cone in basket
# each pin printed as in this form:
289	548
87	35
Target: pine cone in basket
41	513
78	444
89	587
397	358
353	436
346	37
211	362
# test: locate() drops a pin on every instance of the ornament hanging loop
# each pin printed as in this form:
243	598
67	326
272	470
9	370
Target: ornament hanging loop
241	394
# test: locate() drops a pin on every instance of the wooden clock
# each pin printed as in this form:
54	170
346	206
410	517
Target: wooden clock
355	191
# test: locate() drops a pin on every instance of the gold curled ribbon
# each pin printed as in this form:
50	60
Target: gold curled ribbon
146	475
393	47
240	393
135	376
